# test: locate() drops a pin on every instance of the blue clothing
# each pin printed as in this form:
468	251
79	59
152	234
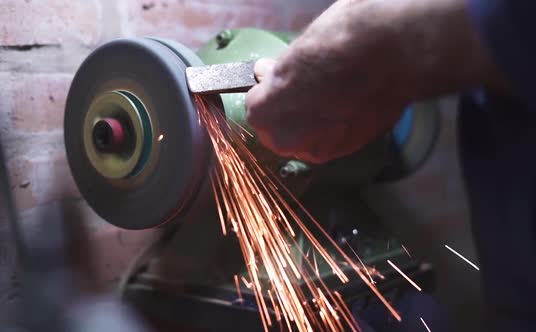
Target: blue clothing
508	30
496	141
497	135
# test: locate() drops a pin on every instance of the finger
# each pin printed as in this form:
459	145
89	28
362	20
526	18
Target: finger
295	144
258	104
274	143
323	144
279	142
263	67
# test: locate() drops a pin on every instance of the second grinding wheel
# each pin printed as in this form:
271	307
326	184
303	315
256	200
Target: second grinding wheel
134	143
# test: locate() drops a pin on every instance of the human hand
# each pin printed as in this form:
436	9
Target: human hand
347	79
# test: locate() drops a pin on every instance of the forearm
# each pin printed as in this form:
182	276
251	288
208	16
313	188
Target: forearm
431	44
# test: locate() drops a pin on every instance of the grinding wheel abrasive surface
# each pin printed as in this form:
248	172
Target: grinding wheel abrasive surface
179	160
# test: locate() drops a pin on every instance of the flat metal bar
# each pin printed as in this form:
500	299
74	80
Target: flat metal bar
221	78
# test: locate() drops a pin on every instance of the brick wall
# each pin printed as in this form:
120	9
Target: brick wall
42	42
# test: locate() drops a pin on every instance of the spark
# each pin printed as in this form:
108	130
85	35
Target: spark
160	138
465	259
376	273
275	306
347	259
237	284
316	265
406	250
246	283
259	209
425	325
360	261
220	213
404	275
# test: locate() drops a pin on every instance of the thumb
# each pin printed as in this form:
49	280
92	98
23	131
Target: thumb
263	67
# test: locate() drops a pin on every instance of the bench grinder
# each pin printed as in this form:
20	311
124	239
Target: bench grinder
141	160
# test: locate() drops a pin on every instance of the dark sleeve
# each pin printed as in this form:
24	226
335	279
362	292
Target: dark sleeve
508	31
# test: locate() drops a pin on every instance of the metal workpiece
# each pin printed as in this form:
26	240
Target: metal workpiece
221	78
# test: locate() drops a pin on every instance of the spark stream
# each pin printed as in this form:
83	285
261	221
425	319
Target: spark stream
252	203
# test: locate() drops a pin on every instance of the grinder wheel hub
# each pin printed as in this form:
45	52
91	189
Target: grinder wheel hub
117	135
108	135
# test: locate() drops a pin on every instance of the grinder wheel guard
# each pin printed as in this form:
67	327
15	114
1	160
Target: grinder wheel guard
134	143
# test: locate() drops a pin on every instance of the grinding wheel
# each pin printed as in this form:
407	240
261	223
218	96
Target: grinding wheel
134	143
